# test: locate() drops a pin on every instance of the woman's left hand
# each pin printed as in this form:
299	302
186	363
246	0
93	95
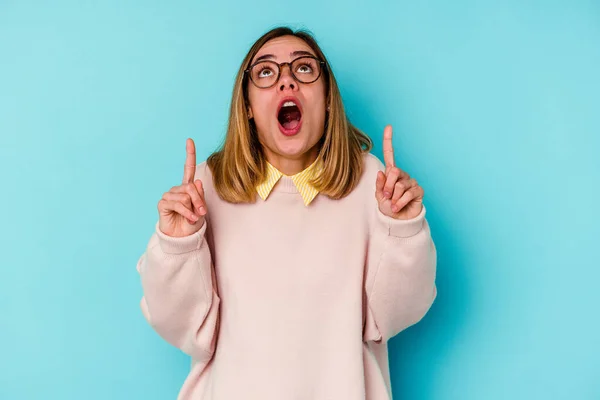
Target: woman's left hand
399	196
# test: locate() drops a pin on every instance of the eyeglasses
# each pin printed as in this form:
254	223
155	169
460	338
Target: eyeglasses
305	69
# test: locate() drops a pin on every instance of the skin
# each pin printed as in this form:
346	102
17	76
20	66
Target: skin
293	154
398	195
182	209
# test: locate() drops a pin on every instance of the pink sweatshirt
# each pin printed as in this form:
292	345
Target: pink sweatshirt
276	300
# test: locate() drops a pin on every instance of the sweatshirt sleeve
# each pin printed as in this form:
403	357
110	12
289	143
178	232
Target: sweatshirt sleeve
400	275
180	299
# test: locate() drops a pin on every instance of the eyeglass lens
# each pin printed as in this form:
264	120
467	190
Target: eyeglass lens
304	69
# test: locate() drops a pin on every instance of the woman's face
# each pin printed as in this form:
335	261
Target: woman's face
286	131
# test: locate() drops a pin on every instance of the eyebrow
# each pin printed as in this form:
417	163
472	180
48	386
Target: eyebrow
292	54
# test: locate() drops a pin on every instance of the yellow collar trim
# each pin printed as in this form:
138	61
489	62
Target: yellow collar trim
301	180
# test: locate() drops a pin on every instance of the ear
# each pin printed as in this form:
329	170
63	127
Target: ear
250	115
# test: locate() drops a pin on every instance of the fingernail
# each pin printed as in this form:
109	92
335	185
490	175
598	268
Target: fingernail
387	194
201	209
194	217
395	209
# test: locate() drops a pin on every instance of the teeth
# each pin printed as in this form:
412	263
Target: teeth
288	104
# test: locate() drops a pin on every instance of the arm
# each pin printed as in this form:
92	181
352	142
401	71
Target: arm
180	296
401	267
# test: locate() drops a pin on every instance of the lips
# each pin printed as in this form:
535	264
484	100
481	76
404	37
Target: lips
289	116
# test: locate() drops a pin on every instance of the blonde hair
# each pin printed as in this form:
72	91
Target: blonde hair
239	166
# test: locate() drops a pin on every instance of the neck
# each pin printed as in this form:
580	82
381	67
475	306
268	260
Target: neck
292	166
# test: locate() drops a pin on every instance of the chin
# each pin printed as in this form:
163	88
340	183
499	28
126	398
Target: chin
292	151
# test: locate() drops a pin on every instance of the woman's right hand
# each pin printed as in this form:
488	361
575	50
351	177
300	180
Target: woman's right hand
182	209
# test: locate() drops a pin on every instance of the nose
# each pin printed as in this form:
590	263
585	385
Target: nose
286	80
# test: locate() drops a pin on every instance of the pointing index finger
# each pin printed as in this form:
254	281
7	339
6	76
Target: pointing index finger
189	169
388	149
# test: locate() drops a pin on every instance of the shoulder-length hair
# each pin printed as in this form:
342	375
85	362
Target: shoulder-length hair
239	166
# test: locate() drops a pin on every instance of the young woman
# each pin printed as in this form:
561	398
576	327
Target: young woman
285	262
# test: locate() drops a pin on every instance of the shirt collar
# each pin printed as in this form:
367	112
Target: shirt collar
301	180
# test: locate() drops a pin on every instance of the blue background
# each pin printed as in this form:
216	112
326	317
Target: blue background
496	112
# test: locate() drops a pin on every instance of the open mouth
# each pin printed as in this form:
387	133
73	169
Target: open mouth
289	117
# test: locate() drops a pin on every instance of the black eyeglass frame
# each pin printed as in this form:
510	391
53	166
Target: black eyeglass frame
322	64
